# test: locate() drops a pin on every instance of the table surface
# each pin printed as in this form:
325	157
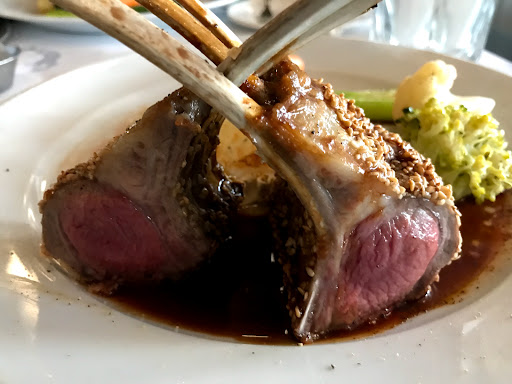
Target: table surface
46	54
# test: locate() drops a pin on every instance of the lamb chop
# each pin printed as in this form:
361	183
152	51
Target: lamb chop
362	223
152	204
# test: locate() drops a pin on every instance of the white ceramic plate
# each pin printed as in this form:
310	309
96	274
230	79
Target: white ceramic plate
26	11
52	331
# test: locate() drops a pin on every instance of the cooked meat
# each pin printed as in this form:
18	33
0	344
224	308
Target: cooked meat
362	223
153	204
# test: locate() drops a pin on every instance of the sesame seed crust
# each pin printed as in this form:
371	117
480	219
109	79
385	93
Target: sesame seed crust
385	156
353	154
163	167
82	171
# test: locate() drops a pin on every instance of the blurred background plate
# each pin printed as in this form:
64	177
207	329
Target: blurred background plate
245	15
26	11
251	15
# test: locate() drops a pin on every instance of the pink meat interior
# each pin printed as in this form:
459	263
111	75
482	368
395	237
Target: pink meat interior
385	260
110	234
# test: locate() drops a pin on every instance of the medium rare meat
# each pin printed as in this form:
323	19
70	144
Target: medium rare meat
362	223
153	204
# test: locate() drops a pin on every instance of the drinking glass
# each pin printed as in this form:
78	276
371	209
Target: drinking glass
457	28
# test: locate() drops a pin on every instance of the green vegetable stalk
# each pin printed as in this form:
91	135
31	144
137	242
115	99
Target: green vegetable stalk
59	12
377	105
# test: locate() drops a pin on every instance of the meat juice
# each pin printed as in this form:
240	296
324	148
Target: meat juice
239	294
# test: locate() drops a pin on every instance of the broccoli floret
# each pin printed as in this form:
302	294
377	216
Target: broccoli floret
468	150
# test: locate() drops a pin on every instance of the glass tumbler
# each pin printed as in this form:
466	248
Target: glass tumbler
457	28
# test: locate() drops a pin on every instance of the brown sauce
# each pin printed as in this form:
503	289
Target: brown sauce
238	295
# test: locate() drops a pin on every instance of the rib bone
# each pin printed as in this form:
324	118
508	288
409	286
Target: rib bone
133	30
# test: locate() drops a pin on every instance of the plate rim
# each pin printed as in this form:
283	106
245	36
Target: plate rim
331	347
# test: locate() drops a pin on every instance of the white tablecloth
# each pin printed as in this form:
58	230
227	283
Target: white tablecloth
47	54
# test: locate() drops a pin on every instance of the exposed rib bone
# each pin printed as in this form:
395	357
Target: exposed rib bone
133	30
186	25
212	22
